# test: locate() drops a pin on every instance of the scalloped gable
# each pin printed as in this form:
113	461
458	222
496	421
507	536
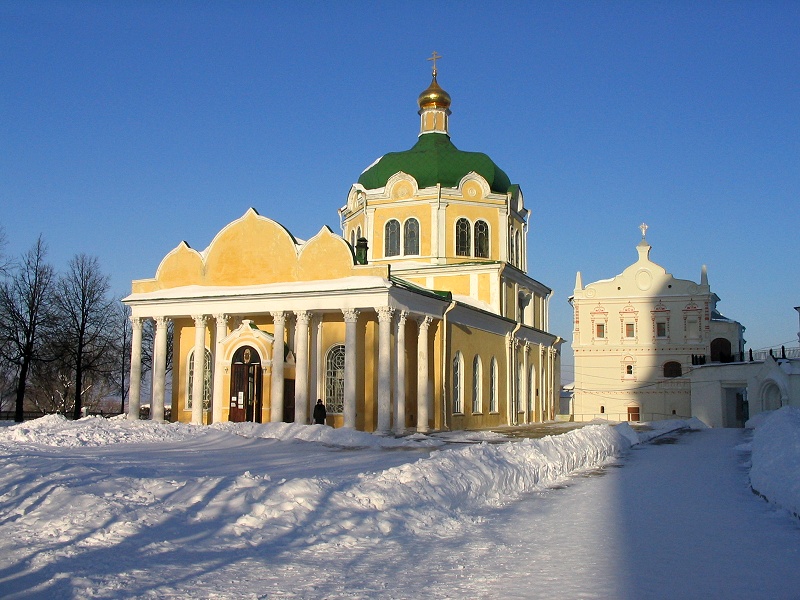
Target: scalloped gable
325	256
250	251
255	250
182	266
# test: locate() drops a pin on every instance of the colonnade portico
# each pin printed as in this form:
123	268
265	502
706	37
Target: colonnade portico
391	365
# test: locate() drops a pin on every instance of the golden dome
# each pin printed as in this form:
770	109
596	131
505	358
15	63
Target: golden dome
434	96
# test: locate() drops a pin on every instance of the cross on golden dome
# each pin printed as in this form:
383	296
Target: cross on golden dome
434	57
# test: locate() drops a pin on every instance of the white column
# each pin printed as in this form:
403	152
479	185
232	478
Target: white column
217	397
276	390
315	360
135	388
542	382
524	393
384	369
159	369
199	368
301	364
350	340
400	379
422	374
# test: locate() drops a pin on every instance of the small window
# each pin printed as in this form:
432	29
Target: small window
600	330
672	369
493	386
481	239
629	369
602	409
334	380
661	329
630	330
353	238
392	238
463	234
477	384
411	237
458	383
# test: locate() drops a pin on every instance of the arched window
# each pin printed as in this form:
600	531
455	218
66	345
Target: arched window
493	386
511	244
458	383
358	233
334	380
672	369
477	384
532	388
628	369
520	382
411	237
481	239
463	235
391	238
721	350
518	249
353	238
206	380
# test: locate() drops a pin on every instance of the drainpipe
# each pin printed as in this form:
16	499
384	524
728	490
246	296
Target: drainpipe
445	365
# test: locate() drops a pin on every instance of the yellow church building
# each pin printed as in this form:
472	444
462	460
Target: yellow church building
421	316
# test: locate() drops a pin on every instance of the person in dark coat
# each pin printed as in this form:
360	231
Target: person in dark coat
320	413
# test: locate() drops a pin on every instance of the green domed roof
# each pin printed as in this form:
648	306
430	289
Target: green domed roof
434	159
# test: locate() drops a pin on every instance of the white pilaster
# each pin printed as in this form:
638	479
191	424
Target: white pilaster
400	379
159	369
199	368
384	369
135	389
217	397
422	375
350	340
301	363
276	389
524	393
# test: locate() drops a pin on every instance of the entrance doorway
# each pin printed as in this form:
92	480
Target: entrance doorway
633	413
245	386
288	400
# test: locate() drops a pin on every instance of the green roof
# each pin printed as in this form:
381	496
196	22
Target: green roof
434	159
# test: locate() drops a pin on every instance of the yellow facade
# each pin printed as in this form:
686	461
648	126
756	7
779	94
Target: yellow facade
286	322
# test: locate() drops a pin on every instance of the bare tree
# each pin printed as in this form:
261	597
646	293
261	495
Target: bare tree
122	342
25	314
5	261
86	316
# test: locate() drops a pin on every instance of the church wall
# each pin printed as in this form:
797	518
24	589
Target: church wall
510	309
401	212
473	212
457	284
470	342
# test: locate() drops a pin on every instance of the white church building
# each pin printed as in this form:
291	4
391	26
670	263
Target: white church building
636	337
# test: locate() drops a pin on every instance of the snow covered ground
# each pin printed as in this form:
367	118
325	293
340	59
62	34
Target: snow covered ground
115	509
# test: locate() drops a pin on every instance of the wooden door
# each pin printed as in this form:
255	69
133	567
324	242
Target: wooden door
245	386
633	413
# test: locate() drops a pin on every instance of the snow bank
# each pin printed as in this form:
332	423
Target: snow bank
56	430
657	429
433	495
345	438
775	471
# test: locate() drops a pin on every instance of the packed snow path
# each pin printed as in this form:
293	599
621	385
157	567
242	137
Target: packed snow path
202	513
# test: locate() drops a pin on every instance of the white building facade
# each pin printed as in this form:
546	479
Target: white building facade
637	336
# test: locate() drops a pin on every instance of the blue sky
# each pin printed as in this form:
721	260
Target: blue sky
126	127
